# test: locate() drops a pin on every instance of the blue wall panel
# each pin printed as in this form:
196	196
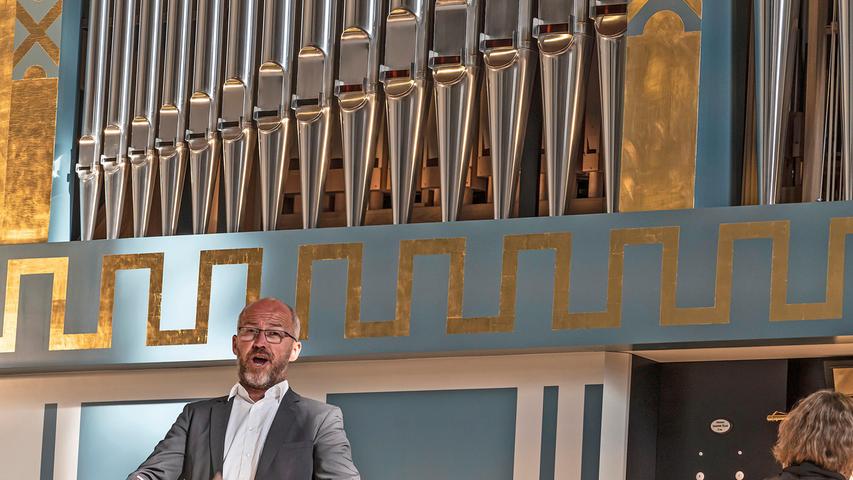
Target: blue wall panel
116	437
593	408
548	449
431	435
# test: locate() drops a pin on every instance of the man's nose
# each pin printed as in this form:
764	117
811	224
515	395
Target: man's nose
260	340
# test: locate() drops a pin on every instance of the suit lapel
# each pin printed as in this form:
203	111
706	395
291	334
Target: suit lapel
219	414
284	419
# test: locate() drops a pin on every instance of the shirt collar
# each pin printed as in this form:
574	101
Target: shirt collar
276	392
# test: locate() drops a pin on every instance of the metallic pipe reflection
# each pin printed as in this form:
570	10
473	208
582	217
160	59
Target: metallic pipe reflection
236	127
563	32
772	31
455	62
170	144
114	155
202	136
509	62
143	156
312	102
406	83
359	100
272	112
92	121
845	23
611	26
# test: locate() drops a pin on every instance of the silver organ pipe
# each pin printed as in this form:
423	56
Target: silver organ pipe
172	125
845	23
359	99
406	84
455	63
116	131
272	111
562	30
510	62
772	31
312	104
611	26
92	122
202	136
143	156
238	97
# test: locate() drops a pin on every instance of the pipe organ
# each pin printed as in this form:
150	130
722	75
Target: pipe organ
405	103
233	91
803	145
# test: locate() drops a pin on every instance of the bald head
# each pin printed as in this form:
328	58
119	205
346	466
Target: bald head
270	309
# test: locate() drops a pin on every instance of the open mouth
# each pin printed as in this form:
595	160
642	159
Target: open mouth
259	360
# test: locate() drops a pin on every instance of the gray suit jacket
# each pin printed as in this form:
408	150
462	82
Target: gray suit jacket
305	442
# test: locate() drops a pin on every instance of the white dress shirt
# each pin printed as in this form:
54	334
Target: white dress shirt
247	430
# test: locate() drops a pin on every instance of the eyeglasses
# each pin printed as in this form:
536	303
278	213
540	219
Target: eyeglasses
247	334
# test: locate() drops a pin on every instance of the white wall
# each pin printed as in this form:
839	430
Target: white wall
22	400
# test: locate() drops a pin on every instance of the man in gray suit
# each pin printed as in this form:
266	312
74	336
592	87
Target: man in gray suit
262	429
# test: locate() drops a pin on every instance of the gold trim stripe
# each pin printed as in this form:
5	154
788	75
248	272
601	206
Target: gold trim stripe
16	268
102	337
352	252
778	232
251	257
670	314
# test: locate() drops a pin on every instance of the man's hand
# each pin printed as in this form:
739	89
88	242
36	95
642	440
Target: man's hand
218	476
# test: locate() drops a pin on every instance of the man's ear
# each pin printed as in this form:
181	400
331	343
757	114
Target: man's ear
234	345
294	353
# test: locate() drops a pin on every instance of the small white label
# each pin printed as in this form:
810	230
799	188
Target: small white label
721	425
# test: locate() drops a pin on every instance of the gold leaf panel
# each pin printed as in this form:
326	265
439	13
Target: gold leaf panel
661	116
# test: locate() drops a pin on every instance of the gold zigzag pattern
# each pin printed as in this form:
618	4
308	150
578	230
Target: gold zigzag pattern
562	318
111	264
670	314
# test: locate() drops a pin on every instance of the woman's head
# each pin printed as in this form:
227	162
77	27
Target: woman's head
819	430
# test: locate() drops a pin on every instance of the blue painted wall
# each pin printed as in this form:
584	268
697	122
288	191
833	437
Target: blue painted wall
593	406
640	319
116	437
466	434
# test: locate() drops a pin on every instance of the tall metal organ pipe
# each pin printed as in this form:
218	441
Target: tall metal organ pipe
406	83
455	63
143	127
611	27
312	103
845	23
202	136
92	123
510	62
116	131
272	110
772	31
359	99
238	97
172	121
562	30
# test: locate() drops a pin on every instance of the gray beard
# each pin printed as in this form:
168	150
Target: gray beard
262	380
